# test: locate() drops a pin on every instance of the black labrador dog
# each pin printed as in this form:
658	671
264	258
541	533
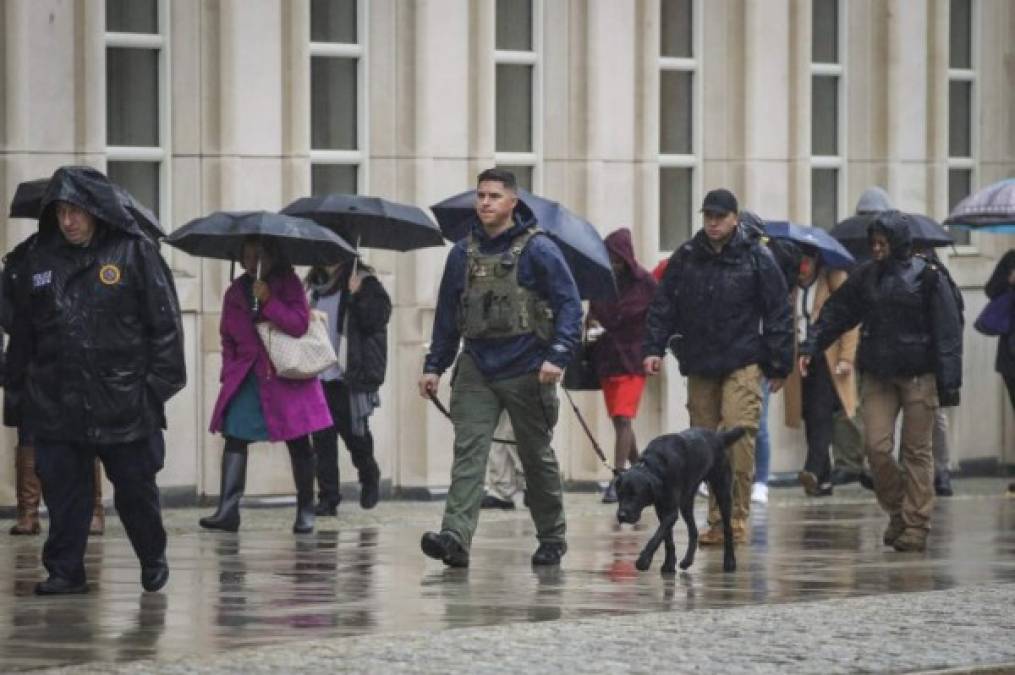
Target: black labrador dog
668	475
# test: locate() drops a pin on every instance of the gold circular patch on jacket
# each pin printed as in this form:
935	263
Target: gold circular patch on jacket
109	275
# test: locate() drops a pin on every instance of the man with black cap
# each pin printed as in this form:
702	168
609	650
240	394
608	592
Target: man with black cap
723	308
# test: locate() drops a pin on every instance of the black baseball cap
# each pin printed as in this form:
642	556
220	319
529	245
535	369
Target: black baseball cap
720	201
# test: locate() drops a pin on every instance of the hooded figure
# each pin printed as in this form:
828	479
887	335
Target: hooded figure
96	323
617	353
911	357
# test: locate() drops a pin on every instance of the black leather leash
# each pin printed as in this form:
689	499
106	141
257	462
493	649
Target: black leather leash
581	420
588	432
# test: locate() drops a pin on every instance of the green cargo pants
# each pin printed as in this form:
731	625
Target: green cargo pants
476	406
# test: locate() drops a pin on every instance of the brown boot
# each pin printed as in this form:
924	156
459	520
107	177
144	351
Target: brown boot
894	530
911	539
28	491
739	531
713	536
98	525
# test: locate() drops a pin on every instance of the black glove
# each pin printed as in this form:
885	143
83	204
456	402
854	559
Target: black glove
948	398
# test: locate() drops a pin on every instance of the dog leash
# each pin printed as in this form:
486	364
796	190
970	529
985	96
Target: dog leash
588	432
444	411
581	420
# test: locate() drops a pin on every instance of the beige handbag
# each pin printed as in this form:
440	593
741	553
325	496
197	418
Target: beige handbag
299	358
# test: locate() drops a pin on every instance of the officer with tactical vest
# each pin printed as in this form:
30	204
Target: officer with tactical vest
508	292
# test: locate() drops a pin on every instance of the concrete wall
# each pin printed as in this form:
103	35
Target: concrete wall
240	87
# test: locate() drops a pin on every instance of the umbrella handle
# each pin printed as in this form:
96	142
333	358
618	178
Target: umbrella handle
355	261
257	277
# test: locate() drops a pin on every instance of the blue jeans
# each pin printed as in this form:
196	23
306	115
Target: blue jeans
762	448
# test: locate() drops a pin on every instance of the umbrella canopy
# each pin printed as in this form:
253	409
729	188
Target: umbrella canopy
578	240
27	203
222	234
925	231
370	222
831	252
991	209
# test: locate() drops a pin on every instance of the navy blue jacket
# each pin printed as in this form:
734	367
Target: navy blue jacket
541	268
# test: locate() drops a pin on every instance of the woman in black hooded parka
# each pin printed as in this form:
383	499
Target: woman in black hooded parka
910	356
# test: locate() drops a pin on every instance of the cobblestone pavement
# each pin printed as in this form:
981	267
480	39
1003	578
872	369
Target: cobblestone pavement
814	592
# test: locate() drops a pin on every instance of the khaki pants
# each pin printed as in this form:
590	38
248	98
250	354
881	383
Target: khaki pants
721	403
505	476
476	407
906	489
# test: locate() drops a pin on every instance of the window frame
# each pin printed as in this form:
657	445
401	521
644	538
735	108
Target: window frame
158	154
533	58
346	50
692	161
970	163
837	70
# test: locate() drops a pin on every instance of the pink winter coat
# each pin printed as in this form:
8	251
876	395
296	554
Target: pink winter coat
292	408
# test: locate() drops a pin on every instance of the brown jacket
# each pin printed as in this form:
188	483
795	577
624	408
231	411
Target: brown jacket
843	349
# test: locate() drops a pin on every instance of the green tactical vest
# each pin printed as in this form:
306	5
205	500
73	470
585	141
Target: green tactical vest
494	304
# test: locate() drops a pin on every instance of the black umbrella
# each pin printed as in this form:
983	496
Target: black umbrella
222	234
27	203
579	241
370	222
925	231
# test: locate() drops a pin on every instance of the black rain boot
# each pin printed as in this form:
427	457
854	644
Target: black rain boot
234	480
303	476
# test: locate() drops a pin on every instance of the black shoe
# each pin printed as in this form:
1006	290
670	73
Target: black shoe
844	477
866	480
154	577
370	488
327	508
445	548
943	484
610	493
549	553
491	502
823	490
60	586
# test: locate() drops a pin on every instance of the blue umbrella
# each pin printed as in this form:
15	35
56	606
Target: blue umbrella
991	209
832	253
578	240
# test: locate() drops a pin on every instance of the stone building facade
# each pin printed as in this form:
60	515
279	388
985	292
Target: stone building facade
627	111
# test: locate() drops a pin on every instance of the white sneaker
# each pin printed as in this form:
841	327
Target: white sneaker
759	493
703	489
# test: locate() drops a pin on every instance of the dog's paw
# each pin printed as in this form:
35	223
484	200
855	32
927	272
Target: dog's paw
668	569
686	562
643	563
729	565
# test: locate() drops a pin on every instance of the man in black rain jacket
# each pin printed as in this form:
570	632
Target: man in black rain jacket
910	356
723	308
97	329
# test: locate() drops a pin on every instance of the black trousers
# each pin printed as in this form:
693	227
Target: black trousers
67	473
361	448
820	401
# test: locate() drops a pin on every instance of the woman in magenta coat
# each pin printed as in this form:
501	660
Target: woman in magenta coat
254	404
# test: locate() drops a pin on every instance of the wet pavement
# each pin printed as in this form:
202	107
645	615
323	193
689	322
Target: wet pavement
362	575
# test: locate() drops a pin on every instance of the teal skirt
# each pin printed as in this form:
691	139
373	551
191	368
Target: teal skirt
244	417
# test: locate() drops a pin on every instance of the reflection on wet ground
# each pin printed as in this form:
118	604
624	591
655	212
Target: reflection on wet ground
260	587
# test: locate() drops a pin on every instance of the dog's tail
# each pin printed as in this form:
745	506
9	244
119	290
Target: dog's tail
731	436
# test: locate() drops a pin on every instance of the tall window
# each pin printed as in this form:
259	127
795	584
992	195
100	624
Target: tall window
337	96
827	105
516	55
678	123
961	107
137	110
